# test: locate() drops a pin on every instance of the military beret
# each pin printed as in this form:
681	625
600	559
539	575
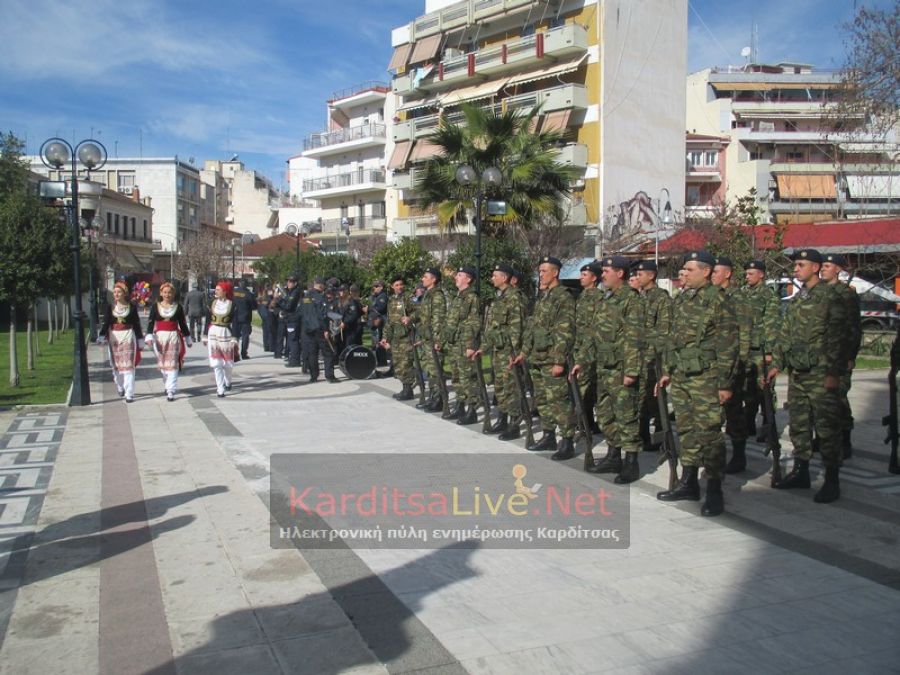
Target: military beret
515	273
616	261
292	278
724	261
836	259
594	267
645	266
396	278
503	267
468	269
701	257
319	280
757	265
810	254
378	282
434	271
333	281
550	260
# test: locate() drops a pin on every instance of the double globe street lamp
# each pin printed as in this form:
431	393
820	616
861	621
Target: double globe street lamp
491	179
298	232
57	153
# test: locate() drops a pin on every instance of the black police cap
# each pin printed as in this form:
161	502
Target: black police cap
836	259
550	260
810	254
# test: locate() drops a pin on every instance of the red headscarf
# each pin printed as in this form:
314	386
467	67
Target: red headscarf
227	287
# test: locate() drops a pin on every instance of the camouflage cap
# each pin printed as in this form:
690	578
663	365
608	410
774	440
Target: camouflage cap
550	260
810	254
836	259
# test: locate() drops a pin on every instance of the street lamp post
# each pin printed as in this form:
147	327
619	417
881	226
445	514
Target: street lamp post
490	178
55	154
299	232
664	218
89	229
233	277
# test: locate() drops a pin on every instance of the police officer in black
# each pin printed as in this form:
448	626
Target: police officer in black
329	337
286	307
351	317
242	316
310	328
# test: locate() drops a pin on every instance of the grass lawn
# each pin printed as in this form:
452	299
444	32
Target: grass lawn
48	382
869	362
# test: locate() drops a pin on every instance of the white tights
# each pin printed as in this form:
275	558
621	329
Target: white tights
223	378
170	379
125	380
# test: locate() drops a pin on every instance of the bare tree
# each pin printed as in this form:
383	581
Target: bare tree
205	254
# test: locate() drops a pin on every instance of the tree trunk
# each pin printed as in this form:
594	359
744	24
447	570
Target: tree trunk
66	306
13	354
29	326
37	328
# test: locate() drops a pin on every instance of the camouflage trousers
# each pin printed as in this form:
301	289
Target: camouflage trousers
649	408
505	385
698	416
846	412
735	416
618	410
402	360
551	396
814	408
465	380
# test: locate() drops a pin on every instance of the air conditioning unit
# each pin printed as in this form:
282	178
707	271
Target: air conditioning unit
452	53
127	190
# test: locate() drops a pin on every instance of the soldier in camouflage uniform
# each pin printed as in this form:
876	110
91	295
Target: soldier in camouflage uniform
657	324
766	313
813	347
502	340
615	349
396	337
735	419
546	344
700	361
431	312
587	310
832	265
461	334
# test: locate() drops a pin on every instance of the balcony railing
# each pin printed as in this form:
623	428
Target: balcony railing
360	88
344	180
462	14
324	139
338	226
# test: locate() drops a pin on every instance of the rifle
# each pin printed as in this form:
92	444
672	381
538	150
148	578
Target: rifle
482	385
890	420
665	437
441	383
769	428
580	415
523	399
417	364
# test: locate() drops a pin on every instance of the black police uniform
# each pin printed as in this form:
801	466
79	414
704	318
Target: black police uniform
244	303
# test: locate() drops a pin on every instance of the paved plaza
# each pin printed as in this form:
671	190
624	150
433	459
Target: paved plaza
136	539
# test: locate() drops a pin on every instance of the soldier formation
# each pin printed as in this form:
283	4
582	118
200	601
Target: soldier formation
716	347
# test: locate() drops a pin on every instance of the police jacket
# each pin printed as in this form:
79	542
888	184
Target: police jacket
244	304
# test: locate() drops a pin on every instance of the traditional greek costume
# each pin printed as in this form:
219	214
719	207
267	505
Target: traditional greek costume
167	330
221	344
121	330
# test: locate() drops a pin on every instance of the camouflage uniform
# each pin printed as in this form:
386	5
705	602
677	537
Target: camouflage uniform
854	340
398	336
547	341
461	333
657	324
503	338
766	315
431	313
616	350
735	420
812	344
587	310
701	357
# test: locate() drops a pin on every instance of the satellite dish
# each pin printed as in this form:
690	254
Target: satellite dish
746	52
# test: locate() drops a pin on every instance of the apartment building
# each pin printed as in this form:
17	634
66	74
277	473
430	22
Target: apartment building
606	73
245	201
348	180
786	140
705	175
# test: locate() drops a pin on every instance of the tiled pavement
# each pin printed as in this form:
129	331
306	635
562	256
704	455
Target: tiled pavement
135	538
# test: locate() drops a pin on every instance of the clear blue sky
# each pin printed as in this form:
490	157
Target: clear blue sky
208	79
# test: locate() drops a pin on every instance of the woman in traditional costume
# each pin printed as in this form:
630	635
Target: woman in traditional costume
121	330
220	342
169	335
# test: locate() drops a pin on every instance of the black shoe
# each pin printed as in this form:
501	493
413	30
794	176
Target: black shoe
426	403
469	415
454	412
611	463
715	500
687	489
738	462
512	431
565	450
500	425
846	445
435	405
332	380
292	365
220	395
797	478
228	387
631	470
170	397
831	489
121	392
129	400
405	394
547	442
244	357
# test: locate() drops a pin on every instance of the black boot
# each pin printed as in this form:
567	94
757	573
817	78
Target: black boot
405	394
631	470
469	415
831	489
565	450
512	430
797	478
500	425
547	442
612	463
738	461
846	445
715	500
436	404
454	413
687	489
427	403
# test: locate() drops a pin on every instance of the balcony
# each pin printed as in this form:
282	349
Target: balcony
799	137
462	13
574	154
778	108
355	182
371	91
344	140
405	181
699	173
357	226
525	53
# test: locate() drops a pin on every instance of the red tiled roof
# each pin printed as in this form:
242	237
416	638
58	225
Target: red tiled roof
279	243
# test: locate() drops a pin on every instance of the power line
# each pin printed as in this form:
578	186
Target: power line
711	34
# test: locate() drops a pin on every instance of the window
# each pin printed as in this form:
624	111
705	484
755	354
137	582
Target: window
116	225
527	29
108	222
695	157
179	182
710	158
192	214
693	195
344	211
379	210
146	234
125	180
133	228
193	185
794	156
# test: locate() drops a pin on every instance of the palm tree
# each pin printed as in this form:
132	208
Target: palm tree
534	183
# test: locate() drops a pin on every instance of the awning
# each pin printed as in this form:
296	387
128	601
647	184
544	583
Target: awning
873	187
807	187
125	259
474	93
420	103
400	57
400	155
424	150
557	121
425	49
549	71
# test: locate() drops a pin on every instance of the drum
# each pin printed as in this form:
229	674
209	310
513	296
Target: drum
357	362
